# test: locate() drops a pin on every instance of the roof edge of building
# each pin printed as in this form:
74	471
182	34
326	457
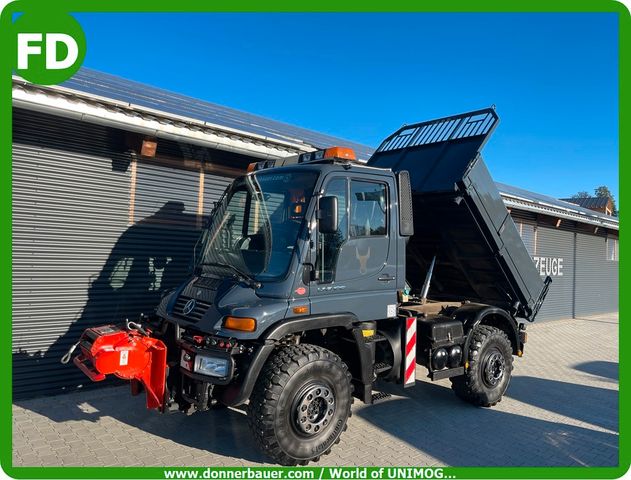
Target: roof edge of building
110	112
88	107
518	202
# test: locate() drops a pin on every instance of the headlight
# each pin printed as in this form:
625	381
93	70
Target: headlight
213	366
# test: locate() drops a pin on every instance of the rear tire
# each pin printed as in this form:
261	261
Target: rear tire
490	368
300	404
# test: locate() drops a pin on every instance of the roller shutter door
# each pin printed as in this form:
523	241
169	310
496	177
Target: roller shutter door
70	206
554	256
214	186
83	253
596	277
157	251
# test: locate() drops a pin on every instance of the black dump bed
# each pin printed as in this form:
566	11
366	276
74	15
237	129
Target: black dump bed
459	216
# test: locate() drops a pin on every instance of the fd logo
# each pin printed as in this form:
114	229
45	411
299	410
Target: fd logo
31	44
48	47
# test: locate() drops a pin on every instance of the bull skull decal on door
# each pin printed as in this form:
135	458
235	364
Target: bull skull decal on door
363	260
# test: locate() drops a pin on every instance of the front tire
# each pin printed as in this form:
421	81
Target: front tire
300	404
490	368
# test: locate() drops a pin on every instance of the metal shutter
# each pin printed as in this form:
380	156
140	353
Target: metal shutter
81	255
528	234
596	277
159	251
70	206
214	186
553	245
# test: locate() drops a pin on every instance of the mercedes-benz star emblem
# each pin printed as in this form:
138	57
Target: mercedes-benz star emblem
189	306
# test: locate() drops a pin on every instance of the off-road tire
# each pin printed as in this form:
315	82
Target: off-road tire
286	378
487	344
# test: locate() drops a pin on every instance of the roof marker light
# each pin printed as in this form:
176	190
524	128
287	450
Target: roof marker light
343	153
340	152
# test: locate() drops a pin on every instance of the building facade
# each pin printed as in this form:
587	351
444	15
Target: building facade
99	230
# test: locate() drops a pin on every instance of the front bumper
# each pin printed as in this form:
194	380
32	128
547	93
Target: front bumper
157	366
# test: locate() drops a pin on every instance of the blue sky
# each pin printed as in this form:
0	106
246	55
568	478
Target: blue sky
552	77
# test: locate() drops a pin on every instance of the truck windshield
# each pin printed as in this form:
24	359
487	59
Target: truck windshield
255	227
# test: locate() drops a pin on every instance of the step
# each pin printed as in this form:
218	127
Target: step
380	396
381	367
375	338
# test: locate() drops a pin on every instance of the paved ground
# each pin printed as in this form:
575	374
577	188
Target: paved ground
561	409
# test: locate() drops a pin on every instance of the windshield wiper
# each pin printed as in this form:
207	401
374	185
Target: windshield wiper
241	276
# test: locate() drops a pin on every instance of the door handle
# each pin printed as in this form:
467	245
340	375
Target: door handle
385	278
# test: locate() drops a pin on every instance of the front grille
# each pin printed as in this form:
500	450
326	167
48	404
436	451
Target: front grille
195	315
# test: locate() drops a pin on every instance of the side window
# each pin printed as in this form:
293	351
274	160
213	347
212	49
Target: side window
329	244
368	209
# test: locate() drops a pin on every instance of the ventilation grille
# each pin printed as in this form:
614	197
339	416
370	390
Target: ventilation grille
406	218
208	282
466	125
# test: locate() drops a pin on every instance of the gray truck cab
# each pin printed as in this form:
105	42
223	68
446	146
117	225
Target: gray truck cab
267	257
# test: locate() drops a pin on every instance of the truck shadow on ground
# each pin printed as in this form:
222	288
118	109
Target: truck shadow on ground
428	417
432	419
600	368
593	405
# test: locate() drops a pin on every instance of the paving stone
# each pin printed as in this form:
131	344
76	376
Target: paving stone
560	409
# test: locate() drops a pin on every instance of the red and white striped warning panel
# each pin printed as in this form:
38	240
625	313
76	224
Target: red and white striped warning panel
410	352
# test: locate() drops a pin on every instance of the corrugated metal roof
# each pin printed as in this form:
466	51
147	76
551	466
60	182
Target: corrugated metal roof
99	84
589	202
117	88
553	206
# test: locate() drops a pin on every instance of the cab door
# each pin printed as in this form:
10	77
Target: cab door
355	266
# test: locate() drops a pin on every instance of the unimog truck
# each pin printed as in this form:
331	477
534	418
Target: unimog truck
318	276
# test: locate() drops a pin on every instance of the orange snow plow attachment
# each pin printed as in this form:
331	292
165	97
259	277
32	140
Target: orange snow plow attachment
128	354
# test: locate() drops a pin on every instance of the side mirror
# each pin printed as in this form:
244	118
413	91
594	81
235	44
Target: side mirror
327	215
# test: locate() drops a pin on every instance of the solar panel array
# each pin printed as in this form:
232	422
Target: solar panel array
110	86
117	88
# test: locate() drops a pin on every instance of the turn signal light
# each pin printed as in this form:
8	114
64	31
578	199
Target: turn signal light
300	309
252	167
242	324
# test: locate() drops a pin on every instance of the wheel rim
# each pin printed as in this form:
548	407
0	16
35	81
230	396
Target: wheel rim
494	368
314	408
